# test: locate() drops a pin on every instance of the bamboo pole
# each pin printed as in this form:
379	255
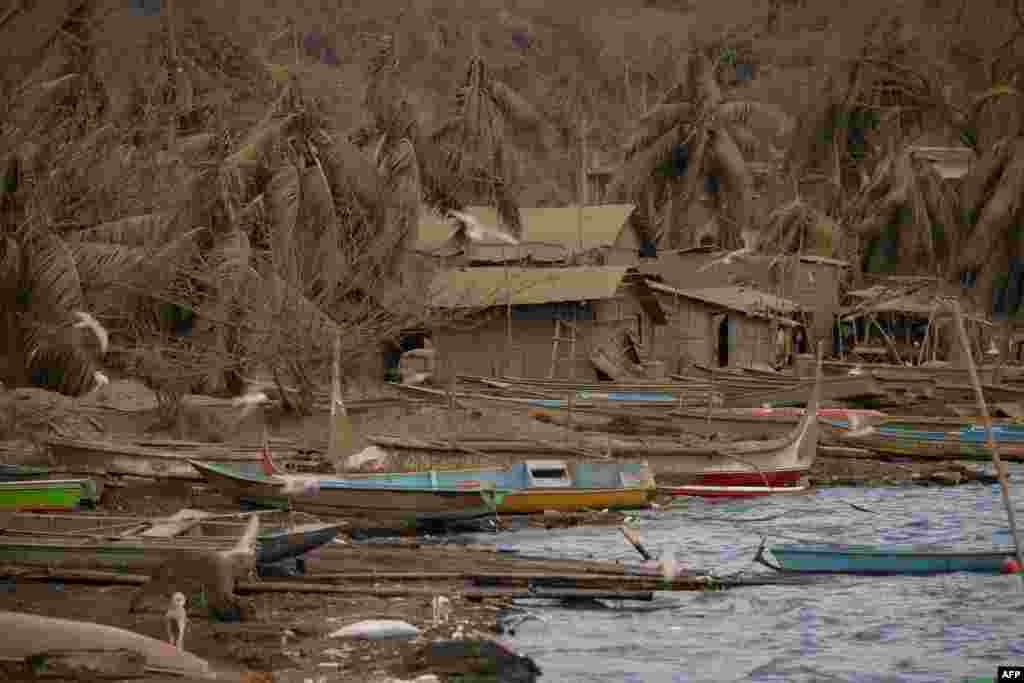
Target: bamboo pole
508	316
341	429
996	460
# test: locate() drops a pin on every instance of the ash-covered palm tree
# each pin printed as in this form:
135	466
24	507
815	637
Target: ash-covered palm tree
694	132
476	151
906	216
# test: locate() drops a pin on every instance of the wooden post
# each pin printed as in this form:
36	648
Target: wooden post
451	410
508	315
341	428
927	333
983	408
568	418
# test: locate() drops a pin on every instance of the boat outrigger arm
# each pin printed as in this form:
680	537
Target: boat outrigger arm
761	559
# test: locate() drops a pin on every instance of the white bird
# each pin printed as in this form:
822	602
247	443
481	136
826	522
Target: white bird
476	231
250	401
176	616
750	244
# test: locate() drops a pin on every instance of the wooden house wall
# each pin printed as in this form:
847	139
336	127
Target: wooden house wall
481	349
691	335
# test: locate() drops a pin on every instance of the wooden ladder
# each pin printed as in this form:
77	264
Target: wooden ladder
556	340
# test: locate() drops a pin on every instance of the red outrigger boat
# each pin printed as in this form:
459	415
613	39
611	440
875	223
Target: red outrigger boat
747	468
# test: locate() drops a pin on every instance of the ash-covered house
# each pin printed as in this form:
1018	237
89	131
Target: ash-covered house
505	320
597	235
727	326
812	282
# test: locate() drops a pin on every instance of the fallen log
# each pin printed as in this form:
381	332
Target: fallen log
72	576
848	452
430	593
557	594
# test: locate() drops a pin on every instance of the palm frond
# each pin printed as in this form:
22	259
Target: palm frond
135	231
54	287
283	197
983	176
197	145
748	143
10	270
348	171
263	139
287	318
103	265
319	236
1002	210
728	160
658	121
230	262
514	108
748	112
638	170
508	211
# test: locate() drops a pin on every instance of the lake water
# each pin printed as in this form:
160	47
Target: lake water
846	629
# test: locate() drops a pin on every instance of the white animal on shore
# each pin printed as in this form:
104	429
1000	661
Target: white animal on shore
442	609
176	616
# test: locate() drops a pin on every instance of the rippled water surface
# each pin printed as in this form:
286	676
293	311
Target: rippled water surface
851	629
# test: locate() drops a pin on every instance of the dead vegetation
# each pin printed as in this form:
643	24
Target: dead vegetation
225	205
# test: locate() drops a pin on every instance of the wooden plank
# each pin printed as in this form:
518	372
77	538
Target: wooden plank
175	525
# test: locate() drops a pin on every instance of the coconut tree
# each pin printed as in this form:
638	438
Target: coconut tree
989	253
693	133
907	217
476	151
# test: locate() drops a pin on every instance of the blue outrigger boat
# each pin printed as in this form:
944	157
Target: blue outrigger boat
539	485
880	560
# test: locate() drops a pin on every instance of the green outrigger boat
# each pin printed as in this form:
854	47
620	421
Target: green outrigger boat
84	541
18	472
48	495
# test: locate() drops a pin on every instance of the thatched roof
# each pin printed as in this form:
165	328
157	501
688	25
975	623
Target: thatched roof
602	226
742	299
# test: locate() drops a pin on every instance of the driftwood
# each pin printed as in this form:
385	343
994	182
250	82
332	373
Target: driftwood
468	593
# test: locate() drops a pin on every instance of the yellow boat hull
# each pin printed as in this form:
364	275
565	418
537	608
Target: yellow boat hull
575	500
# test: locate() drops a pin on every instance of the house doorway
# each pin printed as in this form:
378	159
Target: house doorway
723	342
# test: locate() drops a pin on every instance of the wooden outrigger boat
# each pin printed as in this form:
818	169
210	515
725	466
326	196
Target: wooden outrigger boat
698	491
539	485
967	444
741	393
31	635
312	493
777	462
280	535
771	463
15	472
80	456
763	423
880	560
53	495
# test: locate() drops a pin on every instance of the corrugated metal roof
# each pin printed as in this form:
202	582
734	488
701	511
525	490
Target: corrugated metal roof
602	225
483	287
742	299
